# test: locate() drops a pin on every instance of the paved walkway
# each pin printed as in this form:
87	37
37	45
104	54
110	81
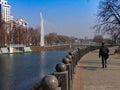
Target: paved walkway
91	76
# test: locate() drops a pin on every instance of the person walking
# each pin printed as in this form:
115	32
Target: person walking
104	54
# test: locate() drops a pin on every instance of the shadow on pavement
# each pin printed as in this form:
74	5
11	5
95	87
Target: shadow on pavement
88	67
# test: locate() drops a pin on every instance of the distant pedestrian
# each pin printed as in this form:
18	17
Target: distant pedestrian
104	54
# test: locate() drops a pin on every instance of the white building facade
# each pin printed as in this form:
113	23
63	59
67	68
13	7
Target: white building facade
5	10
21	22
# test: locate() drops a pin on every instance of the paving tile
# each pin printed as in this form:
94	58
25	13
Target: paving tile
90	76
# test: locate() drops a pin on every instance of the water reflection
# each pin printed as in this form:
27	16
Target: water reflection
21	71
6	68
42	66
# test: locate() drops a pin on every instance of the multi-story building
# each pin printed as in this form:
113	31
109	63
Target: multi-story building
21	22
5	10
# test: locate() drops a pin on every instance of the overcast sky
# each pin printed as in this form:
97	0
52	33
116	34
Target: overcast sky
66	17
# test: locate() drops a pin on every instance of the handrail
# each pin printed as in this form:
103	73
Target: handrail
62	78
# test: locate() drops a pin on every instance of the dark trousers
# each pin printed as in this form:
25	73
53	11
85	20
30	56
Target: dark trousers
104	62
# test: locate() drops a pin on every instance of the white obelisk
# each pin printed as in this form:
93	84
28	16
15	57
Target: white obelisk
42	31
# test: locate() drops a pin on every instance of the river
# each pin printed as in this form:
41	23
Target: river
21	71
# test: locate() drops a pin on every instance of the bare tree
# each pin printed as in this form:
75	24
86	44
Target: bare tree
34	36
98	39
109	17
54	38
2	32
18	34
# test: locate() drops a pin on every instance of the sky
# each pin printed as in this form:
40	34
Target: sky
66	17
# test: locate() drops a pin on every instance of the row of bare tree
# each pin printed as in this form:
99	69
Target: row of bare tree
53	38
13	33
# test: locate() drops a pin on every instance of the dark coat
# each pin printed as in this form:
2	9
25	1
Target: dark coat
103	51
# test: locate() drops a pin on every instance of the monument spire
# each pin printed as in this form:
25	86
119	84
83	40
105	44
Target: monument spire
42	31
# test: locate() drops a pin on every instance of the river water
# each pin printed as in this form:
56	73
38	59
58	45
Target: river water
21	71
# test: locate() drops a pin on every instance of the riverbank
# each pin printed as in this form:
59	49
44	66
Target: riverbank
49	48
16	50
56	47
